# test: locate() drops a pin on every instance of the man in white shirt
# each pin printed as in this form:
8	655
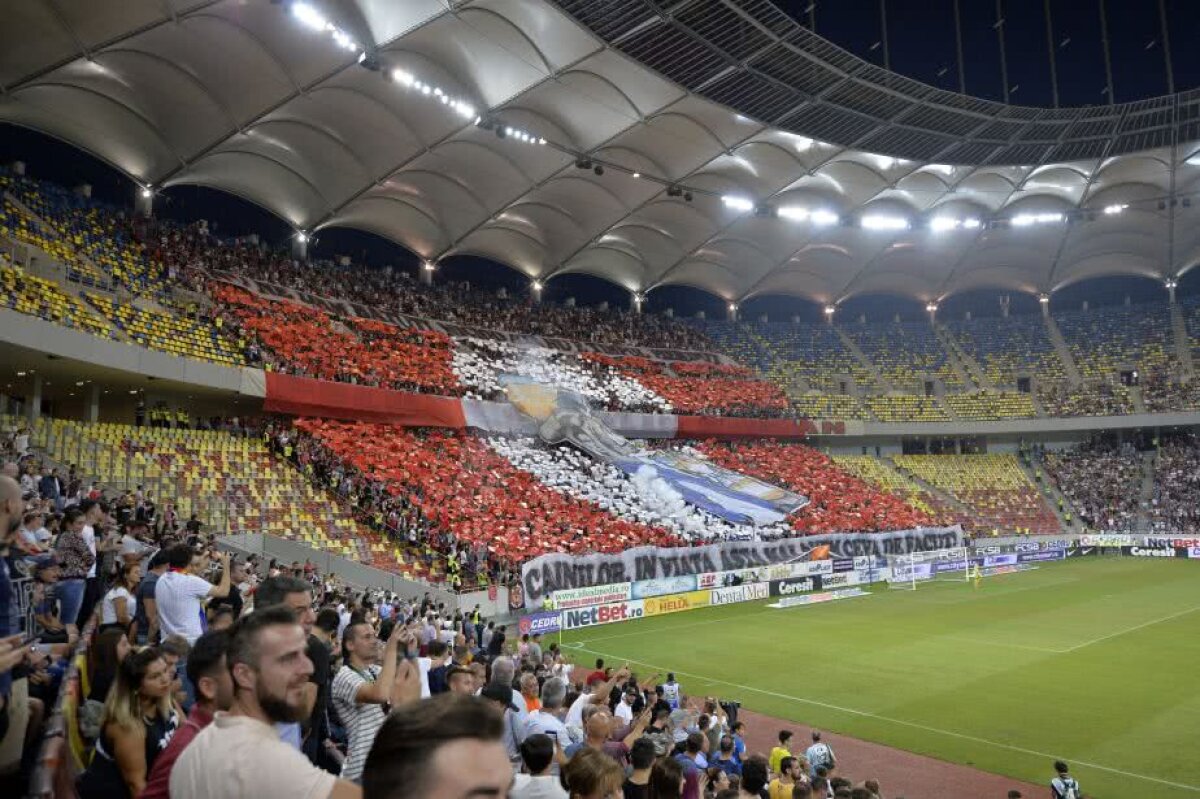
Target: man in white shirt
547	719
624	710
178	595
239	754
537	753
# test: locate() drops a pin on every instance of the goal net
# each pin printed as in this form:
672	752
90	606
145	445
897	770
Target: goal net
939	565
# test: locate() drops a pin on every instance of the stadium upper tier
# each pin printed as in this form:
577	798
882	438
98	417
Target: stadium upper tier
713	143
884	371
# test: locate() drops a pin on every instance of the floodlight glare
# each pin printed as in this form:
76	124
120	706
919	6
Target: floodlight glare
877	222
1110	210
972	223
309	17
822	218
793	212
403	76
147	192
940	224
737	203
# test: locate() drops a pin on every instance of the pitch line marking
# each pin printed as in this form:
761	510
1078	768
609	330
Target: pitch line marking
1005	644
901	722
1135	628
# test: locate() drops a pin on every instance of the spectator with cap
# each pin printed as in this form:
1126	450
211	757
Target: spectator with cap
446	747
240	754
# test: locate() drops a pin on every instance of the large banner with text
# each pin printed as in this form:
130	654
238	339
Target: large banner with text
546	574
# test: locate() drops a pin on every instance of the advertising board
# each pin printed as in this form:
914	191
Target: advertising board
664	585
846	579
592	595
1194	552
576	618
796	585
675	603
1044	555
740	593
992	561
546	621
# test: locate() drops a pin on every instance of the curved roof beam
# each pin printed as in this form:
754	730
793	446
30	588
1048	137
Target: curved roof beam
321	131
541	245
272	159
554	209
460	184
150	126
549	68
658	168
399	201
499	156
254	37
716	139
175	67
604	79
374	101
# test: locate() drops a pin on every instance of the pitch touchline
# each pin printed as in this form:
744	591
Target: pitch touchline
1134	628
901	722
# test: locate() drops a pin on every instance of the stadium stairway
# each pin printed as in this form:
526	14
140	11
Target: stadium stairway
1055	499
944	497
1146	489
1064	352
967	367
1137	399
1183	344
881	385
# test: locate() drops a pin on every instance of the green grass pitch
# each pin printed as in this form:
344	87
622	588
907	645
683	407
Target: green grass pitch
1096	661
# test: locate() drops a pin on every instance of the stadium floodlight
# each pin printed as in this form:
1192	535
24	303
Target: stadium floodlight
637	174
880	222
147	192
829	309
301	236
971	224
536	285
429	266
732	307
1025	220
309	17
1171	283
737	203
403	76
793	212
823	218
941	224
931	307
1044	299
343	41
1117	208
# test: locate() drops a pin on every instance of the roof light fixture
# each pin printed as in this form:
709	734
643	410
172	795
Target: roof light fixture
309	17
1111	210
823	218
737	203
147	192
793	212
941	224
881	222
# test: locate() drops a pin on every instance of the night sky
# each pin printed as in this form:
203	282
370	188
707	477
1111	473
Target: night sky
921	44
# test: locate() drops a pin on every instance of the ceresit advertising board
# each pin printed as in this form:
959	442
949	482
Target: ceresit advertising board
657	606
592	595
576	618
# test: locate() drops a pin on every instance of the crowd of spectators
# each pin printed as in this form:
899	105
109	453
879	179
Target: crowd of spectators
1175	507
1101	479
1091	398
701	388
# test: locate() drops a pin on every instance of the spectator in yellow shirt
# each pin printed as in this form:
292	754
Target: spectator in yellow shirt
791	772
780	752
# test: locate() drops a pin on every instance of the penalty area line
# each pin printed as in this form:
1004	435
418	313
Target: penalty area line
900	722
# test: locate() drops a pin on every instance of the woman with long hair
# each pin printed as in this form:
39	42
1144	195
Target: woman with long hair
666	780
108	650
120	603
591	774
77	559
139	720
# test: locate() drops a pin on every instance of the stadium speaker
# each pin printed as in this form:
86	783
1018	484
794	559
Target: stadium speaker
687	195
583	163
369	61
674	191
598	169
500	132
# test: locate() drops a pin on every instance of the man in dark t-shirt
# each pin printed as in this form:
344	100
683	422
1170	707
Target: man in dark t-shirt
496	645
316	729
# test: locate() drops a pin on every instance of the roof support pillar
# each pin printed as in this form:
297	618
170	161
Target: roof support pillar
426	273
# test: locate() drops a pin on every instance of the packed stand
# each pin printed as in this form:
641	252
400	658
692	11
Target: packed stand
1101	480
1000	495
465	490
480	364
1175	507
1163	392
701	388
839	501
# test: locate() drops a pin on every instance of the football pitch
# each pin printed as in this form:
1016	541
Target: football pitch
1095	661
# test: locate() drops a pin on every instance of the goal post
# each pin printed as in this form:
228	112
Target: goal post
905	572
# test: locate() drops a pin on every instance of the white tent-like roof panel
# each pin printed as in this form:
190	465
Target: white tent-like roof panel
477	126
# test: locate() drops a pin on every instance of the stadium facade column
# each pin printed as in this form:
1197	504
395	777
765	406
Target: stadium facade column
425	275
733	312
300	248
33	408
635	302
1171	291
93	403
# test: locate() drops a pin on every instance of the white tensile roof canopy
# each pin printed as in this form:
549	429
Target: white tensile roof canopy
263	100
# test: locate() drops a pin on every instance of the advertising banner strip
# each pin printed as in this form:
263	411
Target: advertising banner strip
546	621
816	599
591	595
602	614
657	606
644	589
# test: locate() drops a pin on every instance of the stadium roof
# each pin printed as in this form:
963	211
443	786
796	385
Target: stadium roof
433	138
